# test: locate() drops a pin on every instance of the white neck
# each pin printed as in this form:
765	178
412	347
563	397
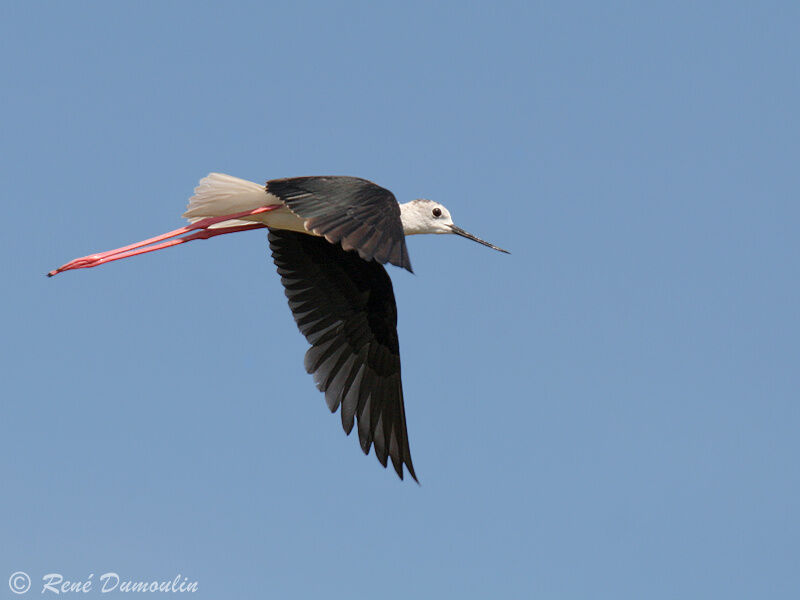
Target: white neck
411	219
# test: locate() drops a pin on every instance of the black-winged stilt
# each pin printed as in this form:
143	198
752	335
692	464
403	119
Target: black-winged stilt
329	237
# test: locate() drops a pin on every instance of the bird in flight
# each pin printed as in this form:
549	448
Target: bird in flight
330	237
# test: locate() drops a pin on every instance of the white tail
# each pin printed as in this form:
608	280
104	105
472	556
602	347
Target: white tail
218	194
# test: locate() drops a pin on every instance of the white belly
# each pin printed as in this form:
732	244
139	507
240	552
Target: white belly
218	195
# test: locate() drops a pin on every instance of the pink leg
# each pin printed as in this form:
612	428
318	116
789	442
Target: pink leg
150	245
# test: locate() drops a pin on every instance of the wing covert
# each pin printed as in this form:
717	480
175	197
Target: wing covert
355	212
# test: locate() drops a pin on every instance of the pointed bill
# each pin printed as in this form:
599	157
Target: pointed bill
469	236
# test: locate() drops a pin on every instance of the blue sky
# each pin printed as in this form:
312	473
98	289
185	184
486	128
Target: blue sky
609	412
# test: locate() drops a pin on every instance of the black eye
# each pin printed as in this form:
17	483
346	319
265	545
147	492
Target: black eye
437	212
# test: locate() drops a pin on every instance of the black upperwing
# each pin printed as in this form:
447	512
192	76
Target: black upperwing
345	308
354	212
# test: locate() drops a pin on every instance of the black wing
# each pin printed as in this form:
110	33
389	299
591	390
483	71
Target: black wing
355	212
345	308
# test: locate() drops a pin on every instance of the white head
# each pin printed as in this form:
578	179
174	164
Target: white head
427	216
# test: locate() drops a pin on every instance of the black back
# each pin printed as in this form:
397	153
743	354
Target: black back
345	308
354	212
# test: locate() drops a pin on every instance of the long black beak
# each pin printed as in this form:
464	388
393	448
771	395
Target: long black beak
469	236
